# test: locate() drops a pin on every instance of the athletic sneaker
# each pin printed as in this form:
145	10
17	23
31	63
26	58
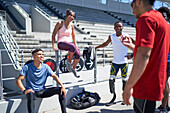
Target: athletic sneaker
74	72
167	108
162	110
69	65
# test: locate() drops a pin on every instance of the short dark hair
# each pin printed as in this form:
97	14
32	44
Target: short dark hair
36	50
151	2
164	10
118	22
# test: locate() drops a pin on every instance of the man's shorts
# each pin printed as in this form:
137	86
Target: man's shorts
115	68
144	106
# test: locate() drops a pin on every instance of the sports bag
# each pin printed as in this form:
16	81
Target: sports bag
84	99
89	53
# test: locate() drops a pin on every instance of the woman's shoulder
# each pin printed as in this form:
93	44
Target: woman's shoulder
60	22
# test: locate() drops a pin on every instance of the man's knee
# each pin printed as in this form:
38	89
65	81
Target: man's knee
30	95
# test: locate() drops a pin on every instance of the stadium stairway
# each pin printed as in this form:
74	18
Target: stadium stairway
91	32
97	23
97	28
26	42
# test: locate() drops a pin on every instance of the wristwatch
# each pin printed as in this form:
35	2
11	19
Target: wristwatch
24	91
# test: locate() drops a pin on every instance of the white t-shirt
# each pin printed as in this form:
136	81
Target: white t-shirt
119	50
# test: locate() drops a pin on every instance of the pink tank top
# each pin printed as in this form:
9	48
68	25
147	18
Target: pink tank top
64	34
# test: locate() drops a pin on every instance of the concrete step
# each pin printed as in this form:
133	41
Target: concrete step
28	42
34	46
25	39
23	36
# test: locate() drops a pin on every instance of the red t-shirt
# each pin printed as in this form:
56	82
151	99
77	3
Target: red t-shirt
152	31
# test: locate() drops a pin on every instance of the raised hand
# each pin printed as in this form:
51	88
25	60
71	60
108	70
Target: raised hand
128	42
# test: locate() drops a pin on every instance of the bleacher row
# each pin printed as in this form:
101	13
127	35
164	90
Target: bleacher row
93	26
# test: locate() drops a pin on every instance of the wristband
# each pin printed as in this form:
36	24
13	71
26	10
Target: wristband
24	91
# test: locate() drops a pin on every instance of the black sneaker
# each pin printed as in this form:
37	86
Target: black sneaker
160	107
167	108
162	110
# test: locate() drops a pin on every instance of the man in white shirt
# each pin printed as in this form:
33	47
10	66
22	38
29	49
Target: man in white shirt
120	61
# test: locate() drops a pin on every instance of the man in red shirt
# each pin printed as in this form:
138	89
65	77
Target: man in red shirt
148	75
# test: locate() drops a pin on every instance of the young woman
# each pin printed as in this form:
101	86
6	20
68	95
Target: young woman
66	40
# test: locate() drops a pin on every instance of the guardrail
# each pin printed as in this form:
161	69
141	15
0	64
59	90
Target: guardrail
58	58
3	14
20	10
43	12
9	43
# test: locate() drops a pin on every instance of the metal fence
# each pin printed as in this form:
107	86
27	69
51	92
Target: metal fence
58	58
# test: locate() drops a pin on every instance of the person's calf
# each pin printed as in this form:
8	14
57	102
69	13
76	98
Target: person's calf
62	103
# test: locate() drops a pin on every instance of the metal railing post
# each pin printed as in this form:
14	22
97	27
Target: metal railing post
57	67
1	82
103	57
22	57
31	55
60	55
95	68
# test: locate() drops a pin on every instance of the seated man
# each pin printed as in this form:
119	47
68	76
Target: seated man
36	74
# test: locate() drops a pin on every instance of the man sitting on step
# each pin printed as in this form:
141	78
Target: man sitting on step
36	74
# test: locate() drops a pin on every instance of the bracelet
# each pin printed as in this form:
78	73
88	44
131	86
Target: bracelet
24	91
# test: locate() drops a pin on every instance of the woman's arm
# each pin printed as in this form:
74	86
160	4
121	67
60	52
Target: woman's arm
57	27
73	36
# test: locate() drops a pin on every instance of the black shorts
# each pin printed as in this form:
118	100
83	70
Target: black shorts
144	106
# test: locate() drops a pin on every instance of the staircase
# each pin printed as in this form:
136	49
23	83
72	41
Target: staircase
88	33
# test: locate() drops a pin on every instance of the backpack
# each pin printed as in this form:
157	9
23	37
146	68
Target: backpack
89	53
84	99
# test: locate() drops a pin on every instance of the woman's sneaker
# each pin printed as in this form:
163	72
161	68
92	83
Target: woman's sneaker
69	65
74	72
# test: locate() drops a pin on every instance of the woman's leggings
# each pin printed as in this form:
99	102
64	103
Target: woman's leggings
68	46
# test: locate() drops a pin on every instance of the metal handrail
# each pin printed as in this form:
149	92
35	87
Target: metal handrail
43	12
9	43
20	9
3	14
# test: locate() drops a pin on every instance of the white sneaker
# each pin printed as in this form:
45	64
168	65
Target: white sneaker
75	73
69	65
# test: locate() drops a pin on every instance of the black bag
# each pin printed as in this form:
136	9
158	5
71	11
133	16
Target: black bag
84	99
88	53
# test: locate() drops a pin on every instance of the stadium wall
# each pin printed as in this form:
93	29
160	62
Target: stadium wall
111	5
21	17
